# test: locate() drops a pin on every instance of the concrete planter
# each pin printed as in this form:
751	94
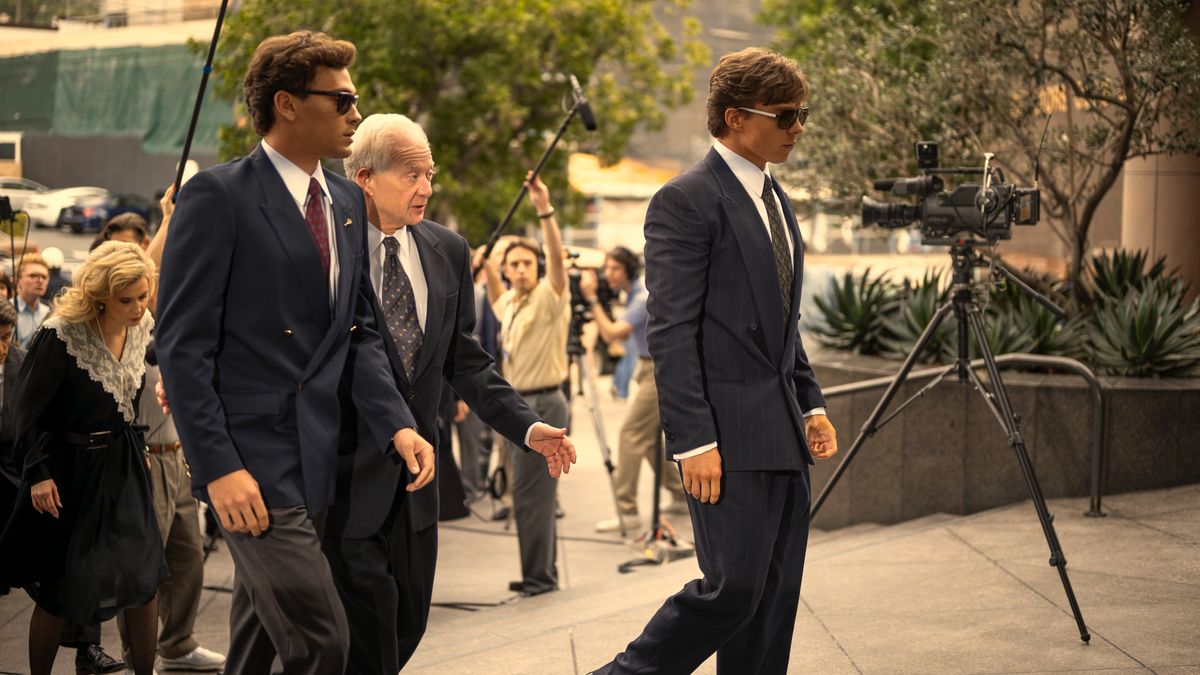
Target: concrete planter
947	453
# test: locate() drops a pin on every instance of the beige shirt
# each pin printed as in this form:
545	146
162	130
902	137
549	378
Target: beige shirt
533	336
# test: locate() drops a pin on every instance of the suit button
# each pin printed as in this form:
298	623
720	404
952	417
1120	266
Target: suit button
353	328
287	332
300	387
753	327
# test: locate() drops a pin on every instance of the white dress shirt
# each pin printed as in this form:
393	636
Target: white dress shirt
752	178
410	260
296	181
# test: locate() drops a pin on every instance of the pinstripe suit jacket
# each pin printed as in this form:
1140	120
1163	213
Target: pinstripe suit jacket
730	367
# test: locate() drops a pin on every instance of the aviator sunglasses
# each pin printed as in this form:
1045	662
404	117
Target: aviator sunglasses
784	118
344	98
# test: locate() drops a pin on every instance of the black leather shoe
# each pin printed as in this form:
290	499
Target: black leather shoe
93	659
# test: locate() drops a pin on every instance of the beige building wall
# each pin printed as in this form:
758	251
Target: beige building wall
1161	209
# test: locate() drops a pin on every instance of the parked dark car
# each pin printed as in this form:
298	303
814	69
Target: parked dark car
89	215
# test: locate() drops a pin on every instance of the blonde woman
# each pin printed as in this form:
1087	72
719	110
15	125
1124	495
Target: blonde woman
83	540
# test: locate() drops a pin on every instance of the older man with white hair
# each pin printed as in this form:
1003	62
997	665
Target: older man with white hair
381	540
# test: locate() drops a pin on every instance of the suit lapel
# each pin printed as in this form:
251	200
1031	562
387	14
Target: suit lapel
281	213
755	248
437	271
343	231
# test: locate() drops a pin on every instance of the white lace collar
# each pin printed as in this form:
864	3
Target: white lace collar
121	379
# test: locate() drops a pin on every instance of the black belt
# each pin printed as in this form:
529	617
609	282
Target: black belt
543	390
95	440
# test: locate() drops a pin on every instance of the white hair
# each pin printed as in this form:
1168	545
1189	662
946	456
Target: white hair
378	139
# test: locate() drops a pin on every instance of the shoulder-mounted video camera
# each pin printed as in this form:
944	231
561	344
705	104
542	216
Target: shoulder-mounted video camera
986	210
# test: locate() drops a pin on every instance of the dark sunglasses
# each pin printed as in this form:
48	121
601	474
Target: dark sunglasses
784	118
344	98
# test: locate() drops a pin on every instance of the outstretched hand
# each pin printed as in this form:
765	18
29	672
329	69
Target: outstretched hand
553	444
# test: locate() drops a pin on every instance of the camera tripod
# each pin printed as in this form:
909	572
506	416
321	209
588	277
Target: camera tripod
577	355
969	319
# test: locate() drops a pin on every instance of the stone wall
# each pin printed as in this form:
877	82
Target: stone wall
947	453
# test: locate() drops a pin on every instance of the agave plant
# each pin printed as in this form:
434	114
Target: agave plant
853	310
1115	273
1017	322
1150	332
916	304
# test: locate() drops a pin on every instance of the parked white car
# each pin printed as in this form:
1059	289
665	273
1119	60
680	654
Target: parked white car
19	190
43	209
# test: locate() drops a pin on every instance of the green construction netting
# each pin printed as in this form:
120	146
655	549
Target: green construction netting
147	92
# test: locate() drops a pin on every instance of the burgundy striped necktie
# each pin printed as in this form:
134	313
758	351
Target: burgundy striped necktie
314	215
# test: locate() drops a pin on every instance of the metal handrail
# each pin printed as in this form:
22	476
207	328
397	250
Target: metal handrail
1009	360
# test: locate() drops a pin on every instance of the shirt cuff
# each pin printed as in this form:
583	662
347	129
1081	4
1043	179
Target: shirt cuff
815	411
694	453
528	433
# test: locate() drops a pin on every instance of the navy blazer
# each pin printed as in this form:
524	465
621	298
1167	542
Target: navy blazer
250	349
366	480
730	367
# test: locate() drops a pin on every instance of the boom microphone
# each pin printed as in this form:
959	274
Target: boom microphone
581	104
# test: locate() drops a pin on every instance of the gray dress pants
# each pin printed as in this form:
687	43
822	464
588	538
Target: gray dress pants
533	493
284	601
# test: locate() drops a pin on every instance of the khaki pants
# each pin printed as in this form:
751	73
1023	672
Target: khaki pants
179	525
640	434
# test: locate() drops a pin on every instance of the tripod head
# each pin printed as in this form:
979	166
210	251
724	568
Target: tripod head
965	257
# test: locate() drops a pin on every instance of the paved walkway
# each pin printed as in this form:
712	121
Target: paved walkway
939	595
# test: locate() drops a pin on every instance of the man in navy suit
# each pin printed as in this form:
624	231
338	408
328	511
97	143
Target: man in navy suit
264	297
741	411
381	541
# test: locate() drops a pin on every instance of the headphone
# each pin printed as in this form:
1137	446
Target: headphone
527	244
628	259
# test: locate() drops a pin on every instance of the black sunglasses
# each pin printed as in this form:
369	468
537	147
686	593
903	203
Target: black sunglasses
344	98
784	118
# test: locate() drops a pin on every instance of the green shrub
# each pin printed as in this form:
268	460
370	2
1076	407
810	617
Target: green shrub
1138	324
851	315
1113	274
915	306
1147	332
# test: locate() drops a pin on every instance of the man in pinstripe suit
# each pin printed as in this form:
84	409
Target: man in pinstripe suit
741	410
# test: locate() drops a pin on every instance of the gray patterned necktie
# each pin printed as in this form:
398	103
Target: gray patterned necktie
400	307
779	247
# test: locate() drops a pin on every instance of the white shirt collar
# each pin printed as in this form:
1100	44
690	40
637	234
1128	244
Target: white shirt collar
294	178
743	169
375	238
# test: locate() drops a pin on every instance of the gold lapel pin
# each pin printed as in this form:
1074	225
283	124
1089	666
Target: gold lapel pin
348	223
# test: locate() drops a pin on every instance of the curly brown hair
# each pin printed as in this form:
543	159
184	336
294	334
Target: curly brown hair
750	77
288	62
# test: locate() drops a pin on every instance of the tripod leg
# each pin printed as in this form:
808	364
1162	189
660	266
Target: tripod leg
587	387
999	402
869	428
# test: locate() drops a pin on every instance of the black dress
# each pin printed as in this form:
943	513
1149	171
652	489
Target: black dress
104	553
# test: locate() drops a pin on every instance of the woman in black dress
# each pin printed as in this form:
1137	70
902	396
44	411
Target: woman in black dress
83	540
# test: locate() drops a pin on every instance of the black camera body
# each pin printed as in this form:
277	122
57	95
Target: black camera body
986	210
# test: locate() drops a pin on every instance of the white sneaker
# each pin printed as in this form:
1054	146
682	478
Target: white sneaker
631	521
197	659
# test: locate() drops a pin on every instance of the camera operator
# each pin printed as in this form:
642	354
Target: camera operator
641	429
535	314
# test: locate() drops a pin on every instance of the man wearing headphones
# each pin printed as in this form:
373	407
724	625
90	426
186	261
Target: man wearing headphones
641	429
534	313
